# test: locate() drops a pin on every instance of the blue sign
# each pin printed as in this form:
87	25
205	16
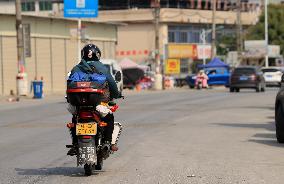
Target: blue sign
80	8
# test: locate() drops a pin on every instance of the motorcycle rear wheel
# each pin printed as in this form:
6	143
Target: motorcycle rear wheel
88	169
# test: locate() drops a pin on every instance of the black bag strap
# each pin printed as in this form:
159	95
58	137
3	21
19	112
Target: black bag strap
93	68
86	65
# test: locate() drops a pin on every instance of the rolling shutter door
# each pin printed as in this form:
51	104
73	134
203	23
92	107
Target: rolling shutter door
58	65
71	54
43	63
10	66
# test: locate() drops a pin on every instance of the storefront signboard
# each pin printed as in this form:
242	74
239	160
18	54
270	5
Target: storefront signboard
181	51
172	66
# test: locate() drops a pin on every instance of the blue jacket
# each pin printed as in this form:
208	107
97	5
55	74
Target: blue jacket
100	68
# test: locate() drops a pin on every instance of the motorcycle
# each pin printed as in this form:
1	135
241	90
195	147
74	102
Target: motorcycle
91	149
201	82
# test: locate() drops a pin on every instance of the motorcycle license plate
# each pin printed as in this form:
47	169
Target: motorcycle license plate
86	129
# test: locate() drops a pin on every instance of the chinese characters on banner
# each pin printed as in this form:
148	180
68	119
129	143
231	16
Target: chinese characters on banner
204	51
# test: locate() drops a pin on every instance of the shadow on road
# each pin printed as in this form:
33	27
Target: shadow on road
269	142
64	171
260	107
268	126
260	138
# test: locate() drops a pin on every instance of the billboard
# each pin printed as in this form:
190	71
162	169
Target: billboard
181	51
80	8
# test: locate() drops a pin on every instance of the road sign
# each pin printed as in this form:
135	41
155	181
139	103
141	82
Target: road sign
172	66
80	8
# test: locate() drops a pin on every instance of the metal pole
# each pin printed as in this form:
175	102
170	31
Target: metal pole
239	32
79	39
213	52
203	39
266	32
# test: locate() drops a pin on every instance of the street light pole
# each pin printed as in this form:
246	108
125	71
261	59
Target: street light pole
203	39
239	32
213	52
266	32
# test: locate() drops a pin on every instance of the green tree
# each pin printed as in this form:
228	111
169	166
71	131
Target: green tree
226	44
275	27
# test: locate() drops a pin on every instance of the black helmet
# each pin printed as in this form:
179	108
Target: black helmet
91	53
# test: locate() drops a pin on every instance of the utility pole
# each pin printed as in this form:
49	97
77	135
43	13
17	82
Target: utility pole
22	81
20	41
213	44
239	32
266	32
158	77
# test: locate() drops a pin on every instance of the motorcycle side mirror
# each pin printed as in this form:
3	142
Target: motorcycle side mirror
117	76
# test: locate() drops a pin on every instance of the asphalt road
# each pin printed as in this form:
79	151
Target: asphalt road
172	137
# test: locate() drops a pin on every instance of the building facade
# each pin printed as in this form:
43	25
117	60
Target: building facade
53	49
181	24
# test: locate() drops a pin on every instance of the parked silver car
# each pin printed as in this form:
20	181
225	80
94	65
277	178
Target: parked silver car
272	75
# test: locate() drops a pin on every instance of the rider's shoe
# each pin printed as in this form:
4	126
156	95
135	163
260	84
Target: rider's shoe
72	151
113	147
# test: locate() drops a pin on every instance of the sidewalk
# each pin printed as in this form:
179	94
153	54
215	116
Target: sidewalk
26	101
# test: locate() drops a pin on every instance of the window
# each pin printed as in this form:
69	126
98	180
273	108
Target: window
183	37
184	65
28	6
171	36
194	36
45	5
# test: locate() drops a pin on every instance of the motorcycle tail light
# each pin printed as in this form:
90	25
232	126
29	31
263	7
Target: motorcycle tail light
86	115
253	77
86	137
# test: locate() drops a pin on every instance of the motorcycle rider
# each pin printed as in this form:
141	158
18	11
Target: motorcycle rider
91	55
203	78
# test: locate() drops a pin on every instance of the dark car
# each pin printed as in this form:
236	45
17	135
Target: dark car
247	77
279	113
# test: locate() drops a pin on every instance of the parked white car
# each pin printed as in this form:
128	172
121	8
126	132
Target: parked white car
272	75
115	71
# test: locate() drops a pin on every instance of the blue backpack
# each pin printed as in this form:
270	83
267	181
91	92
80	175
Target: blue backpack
86	77
97	80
